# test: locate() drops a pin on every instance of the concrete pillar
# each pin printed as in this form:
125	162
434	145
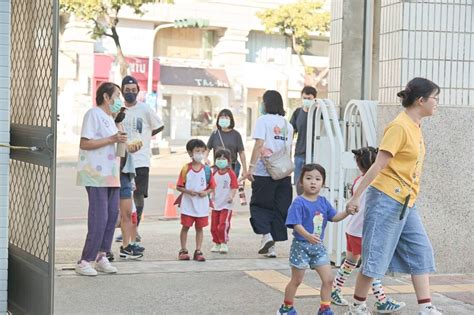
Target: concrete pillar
435	40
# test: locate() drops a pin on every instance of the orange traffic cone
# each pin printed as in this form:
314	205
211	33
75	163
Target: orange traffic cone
170	207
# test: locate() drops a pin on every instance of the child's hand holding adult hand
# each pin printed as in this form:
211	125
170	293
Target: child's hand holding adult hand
314	239
352	206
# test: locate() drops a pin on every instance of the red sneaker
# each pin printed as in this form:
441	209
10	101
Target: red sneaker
183	255
198	256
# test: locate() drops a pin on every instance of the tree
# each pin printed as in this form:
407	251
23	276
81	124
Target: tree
104	15
296	21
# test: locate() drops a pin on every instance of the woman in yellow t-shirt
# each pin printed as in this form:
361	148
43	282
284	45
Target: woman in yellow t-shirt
390	213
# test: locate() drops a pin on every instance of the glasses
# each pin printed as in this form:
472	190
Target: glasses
436	98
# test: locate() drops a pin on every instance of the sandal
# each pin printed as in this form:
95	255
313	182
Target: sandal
198	256
183	255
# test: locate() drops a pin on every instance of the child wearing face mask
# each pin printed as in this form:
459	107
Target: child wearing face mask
224	193
195	183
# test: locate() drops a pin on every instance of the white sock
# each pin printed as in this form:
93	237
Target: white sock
424	305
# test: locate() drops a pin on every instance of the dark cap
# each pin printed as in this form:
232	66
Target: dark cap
128	79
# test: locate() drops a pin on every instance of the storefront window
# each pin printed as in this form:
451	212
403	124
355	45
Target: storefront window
204	110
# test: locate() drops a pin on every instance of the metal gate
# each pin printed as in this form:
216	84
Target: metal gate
33	57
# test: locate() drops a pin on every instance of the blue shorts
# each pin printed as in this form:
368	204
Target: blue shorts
389	243
126	190
303	254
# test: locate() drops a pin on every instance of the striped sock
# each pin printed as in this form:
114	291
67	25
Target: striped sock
288	304
379	293
324	305
343	273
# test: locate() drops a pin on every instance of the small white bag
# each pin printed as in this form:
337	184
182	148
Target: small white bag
279	165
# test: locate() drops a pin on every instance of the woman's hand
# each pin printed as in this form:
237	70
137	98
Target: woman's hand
352	206
119	137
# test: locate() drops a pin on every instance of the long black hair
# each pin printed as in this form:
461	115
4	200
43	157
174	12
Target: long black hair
273	103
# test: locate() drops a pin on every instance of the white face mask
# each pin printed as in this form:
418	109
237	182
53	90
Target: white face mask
307	103
198	157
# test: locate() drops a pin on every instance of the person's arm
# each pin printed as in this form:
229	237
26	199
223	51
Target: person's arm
158	130
243	160
312	238
90	144
341	215
185	191
381	161
257	149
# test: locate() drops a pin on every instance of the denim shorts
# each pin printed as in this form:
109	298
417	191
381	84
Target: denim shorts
125	187
303	254
389	243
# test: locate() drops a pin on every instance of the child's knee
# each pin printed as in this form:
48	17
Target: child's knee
184	228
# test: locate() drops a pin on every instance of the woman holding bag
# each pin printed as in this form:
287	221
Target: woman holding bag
228	138
271	198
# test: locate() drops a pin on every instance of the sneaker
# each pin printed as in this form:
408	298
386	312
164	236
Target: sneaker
286	311
198	256
358	309
119	239
389	306
337	299
183	255
110	256
104	266
129	252
430	310
216	248
84	268
267	242
138	238
224	249
327	311
271	252
138	248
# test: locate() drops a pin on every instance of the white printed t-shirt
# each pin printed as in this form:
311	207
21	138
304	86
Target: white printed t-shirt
356	222
276	132
140	120
195	206
225	182
99	167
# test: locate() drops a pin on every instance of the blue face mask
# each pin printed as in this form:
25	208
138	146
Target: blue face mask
115	107
308	103
130	97
221	164
261	108
224	122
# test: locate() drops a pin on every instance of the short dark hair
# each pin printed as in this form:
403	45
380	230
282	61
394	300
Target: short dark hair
195	143
309	90
226	112
311	167
273	103
365	157
223	152
416	88
106	87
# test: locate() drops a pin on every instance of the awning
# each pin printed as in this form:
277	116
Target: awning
198	77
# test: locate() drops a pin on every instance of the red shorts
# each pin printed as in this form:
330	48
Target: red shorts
354	244
187	221
134	218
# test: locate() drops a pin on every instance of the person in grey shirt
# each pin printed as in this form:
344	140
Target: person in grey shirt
299	121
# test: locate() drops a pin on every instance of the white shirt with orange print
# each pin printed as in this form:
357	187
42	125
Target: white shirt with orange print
225	181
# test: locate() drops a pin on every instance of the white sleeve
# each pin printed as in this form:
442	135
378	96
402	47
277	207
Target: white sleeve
88	126
155	121
259	130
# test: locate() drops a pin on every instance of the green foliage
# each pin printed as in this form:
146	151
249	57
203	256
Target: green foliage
296	21
103	12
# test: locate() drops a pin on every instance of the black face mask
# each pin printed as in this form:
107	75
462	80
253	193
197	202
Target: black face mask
130	97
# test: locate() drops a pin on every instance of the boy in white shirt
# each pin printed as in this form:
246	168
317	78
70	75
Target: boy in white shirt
195	183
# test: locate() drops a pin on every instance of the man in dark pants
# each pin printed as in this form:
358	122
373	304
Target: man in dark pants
299	121
141	123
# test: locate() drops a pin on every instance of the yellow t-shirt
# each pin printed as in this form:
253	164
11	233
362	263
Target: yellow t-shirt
403	139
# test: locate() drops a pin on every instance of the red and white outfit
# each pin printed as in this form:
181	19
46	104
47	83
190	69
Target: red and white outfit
225	180
195	209
355	224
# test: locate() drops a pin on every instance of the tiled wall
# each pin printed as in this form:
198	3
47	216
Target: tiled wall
435	39
4	153
335	51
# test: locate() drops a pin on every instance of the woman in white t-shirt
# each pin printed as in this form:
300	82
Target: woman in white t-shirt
270	198
98	170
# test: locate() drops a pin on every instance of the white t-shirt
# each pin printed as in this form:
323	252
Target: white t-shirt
276	132
140	120
99	167
356	222
195	206
225	182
